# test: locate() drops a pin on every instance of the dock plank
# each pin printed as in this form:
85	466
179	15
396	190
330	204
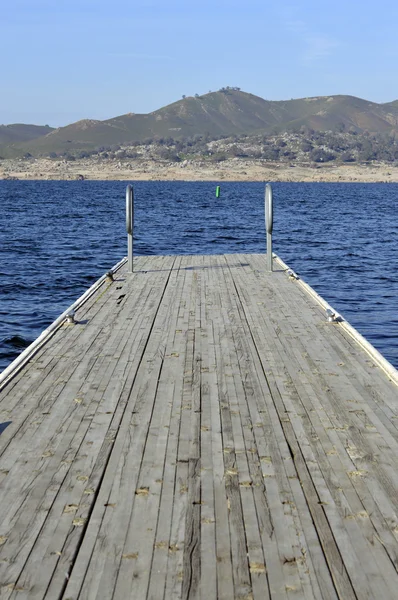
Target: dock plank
97	440
201	432
287	345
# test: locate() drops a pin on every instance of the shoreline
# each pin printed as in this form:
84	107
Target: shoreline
229	170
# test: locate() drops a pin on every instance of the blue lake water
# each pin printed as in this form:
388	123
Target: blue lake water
57	238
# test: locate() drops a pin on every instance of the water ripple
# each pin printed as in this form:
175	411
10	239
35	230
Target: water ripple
57	238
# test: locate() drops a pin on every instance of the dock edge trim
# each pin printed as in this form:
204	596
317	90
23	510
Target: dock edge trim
13	368
379	359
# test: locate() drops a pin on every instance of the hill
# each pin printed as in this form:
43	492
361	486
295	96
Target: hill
18	132
227	112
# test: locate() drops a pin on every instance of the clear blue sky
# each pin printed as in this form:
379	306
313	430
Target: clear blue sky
67	60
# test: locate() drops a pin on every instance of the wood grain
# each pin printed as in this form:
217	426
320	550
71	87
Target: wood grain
202	433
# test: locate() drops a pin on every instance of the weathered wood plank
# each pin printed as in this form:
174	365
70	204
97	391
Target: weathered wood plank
291	557
100	430
256	296
119	493
299	377
203	432
208	396
339	386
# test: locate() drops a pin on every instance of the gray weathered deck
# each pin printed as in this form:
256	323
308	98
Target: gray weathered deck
202	432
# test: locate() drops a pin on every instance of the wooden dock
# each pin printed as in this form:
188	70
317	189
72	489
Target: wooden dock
201	432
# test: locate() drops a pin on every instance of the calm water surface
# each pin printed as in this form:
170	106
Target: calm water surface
57	238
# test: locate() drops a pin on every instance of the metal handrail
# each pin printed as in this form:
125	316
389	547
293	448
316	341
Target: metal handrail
269	221
130	225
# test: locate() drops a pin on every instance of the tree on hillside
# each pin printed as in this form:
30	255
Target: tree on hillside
319	155
270	153
306	146
166	154
235	151
305	130
347	157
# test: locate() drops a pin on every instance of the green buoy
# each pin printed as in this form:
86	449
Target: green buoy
218	191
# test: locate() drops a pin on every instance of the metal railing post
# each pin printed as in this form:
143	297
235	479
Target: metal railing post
269	219
130	225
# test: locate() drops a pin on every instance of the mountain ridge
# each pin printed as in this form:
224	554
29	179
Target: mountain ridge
21	132
227	112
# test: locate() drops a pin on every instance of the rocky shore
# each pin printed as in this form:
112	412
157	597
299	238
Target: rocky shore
234	169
